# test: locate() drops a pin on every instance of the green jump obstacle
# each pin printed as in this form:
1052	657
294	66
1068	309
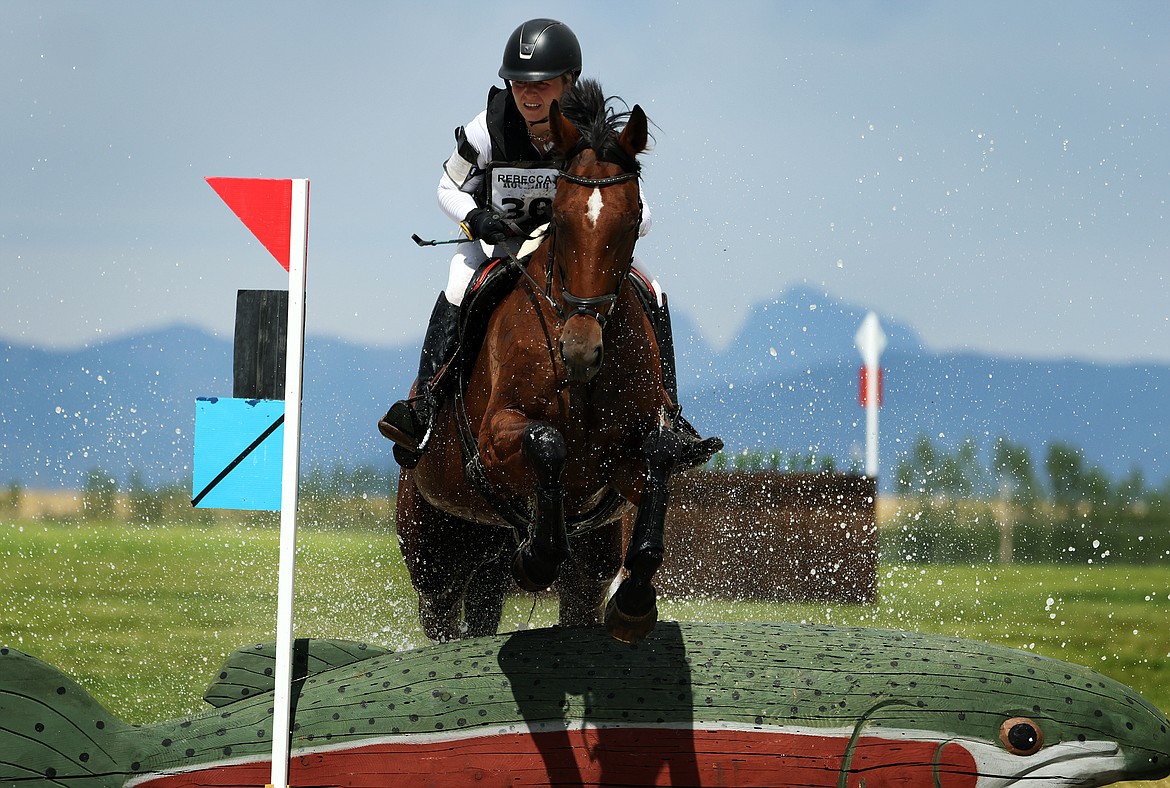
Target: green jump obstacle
693	704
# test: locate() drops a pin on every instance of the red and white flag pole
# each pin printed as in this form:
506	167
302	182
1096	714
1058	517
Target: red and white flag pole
277	213
871	341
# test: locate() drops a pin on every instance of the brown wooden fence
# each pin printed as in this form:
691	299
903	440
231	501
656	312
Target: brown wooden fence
771	536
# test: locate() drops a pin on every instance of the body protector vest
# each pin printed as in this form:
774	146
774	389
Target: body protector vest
517	181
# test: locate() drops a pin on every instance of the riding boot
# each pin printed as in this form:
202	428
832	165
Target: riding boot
701	449
409	422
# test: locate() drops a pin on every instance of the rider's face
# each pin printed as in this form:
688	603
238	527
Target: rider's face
534	98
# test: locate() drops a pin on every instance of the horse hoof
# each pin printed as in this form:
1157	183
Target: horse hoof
531	574
626	627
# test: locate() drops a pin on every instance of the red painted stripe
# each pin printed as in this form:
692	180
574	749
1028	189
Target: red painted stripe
625	756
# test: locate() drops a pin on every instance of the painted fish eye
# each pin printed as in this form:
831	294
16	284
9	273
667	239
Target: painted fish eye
1021	736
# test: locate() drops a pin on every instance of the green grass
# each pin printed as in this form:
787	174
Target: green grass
144	616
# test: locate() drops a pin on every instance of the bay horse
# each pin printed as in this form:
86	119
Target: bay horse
559	428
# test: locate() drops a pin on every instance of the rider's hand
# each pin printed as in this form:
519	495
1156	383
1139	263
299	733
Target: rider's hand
484	224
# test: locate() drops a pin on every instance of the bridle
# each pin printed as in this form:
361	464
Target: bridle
597	307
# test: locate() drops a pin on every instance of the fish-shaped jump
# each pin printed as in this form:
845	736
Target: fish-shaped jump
693	704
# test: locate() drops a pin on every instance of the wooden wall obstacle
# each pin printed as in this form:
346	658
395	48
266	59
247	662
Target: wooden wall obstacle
771	536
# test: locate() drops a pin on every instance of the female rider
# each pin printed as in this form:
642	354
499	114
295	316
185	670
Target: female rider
499	183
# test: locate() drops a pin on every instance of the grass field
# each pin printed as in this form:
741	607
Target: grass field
143	616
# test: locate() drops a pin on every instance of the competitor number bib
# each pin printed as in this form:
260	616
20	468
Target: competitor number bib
523	194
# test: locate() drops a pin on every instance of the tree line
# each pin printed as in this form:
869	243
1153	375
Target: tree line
775	460
1062	476
342	495
961	505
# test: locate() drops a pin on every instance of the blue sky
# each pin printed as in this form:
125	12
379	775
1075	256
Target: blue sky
995	174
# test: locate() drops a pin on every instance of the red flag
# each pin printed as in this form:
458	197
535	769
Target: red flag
264	205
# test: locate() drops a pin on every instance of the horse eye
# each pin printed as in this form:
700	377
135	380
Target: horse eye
1021	736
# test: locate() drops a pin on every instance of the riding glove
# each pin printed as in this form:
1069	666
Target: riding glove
484	224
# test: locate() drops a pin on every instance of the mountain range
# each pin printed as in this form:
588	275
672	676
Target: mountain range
788	382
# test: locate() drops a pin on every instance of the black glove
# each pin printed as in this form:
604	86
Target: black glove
484	224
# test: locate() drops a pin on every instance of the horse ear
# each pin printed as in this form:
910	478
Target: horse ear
564	133
634	136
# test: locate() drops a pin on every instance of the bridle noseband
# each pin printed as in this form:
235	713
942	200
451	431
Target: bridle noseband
592	306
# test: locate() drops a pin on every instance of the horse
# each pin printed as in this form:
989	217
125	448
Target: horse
560	427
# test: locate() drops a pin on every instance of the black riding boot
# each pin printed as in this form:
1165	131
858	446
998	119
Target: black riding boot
409	421
701	449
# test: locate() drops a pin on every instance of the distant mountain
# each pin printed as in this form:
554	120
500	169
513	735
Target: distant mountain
129	405
801	329
120	406
788	382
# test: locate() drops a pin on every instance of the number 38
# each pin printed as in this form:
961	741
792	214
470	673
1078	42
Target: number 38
539	208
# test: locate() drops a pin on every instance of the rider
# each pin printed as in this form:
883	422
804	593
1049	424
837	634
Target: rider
507	144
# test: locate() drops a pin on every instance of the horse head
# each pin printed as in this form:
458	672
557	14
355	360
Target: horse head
595	216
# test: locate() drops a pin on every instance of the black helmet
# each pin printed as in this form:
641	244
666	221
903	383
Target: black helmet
541	49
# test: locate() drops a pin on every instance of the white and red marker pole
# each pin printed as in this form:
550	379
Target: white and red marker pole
871	341
277	213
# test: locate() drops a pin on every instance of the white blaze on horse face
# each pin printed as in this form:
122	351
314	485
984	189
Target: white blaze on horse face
594	205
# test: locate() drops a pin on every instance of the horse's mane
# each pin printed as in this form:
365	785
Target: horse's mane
588	108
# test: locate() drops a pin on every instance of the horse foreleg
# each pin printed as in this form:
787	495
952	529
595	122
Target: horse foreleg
420	538
539	559
444	555
483	602
632	612
586	577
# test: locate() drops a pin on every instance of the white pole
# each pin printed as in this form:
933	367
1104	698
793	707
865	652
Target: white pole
290	478
871	341
871	421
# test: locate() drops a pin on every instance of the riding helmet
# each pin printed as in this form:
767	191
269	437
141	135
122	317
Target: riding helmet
541	49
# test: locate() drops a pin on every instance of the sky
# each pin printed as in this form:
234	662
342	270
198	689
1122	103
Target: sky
994	174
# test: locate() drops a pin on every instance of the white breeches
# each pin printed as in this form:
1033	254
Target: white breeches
470	255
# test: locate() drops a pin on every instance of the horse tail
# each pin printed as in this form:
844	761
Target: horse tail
53	733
